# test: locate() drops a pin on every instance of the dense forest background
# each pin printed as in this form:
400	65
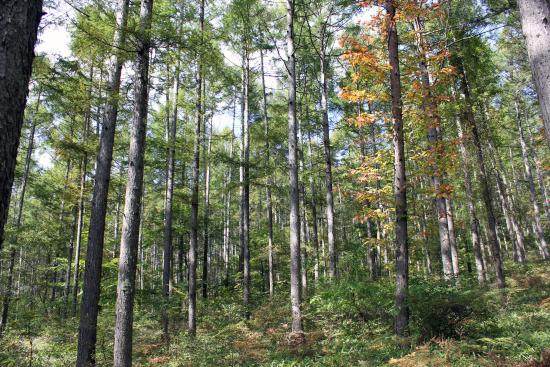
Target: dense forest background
297	183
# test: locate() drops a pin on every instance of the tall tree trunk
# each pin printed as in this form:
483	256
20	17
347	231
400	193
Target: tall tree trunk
434	138
269	182
77	227
484	182
19	21
314	218
134	192
192	256
328	161
518	239
206	248
227	203
543	247
472	212
297	334
170	172
94	256
535	16
400	185
244	182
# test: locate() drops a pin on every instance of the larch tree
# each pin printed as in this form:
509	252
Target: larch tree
19	22
297	335
94	256
134	191
400	178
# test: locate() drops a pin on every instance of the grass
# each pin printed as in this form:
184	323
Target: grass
348	324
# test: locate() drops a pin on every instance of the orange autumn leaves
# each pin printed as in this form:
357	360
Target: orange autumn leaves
367	89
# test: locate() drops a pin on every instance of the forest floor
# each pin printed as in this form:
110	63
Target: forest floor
348	324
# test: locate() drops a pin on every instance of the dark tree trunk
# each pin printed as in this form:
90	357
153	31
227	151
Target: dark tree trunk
206	248
192	256
400	185
19	21
134	193
94	256
244	182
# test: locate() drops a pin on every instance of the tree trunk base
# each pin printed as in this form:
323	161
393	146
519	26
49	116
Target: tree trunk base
296	338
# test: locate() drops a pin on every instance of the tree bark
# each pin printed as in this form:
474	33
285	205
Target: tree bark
297	334
94	256
400	184
134	193
19	21
535	16
206	248
244	182
192	256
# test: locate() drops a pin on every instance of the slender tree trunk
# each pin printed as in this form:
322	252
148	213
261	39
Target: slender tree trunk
18	27
314	218
543	247
94	256
227	222
80	224
535	16
332	254
518	239
400	185
134	192
170	172
244	183
206	213
192	256
434	139
269	182
472	212
77	226
484	182
297	334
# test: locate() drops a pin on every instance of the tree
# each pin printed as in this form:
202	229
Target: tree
297	335
192	256
535	15
94	256
134	193
400	178
18	28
